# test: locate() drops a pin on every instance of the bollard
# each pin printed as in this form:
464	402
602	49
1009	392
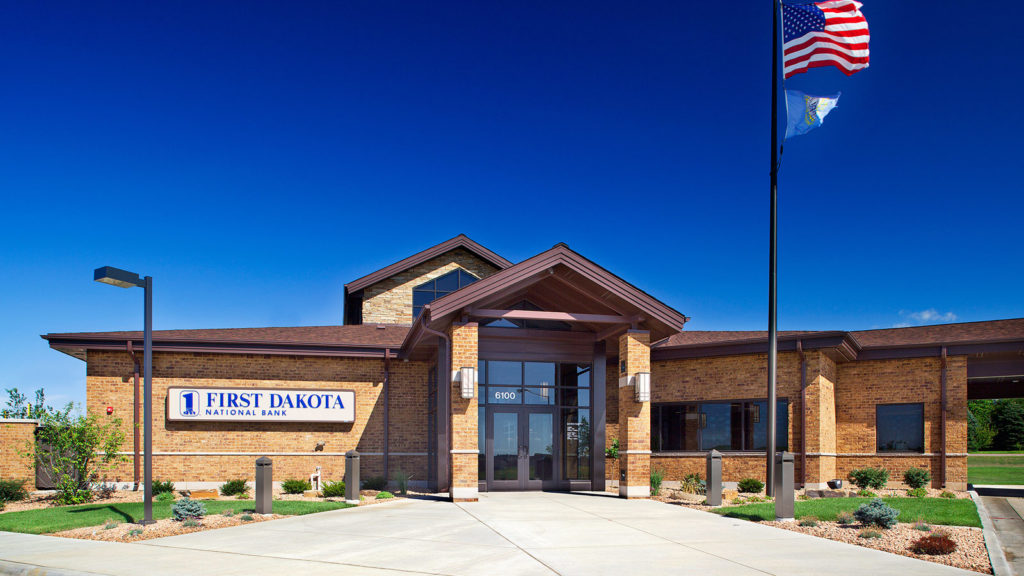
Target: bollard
784	494
264	485
713	484
352	477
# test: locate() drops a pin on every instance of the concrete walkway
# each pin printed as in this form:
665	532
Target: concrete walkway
513	533
1007	516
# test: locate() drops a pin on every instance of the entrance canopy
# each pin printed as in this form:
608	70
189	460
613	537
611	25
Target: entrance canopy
556	290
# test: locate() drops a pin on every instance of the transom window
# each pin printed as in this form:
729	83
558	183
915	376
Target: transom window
899	427
724	426
441	286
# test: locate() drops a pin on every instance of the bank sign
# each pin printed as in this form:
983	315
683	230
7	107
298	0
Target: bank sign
260	405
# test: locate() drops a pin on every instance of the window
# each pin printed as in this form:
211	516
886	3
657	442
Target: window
723	426
534	324
899	427
441	286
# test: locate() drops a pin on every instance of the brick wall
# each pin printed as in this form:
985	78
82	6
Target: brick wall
17	437
390	301
634	417
216	451
465	435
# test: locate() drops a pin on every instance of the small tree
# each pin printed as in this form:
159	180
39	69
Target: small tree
18	405
1008	420
75	450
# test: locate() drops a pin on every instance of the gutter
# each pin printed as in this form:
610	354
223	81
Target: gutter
803	412
444	384
942	419
137	424
387	410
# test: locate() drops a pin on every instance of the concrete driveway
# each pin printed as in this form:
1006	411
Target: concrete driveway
510	533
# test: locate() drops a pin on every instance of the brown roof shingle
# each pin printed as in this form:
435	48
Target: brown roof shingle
985	331
711	337
370	335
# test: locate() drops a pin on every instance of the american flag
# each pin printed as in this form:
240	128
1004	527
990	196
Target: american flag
832	33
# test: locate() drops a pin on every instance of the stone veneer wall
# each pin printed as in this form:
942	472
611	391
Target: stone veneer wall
390	301
16	438
218	451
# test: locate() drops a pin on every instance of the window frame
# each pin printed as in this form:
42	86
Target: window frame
923	435
700	430
459	271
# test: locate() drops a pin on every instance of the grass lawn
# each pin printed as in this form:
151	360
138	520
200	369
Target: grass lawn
995	468
46	520
961	512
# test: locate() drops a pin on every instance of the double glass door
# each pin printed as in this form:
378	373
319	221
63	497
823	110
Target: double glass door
520	448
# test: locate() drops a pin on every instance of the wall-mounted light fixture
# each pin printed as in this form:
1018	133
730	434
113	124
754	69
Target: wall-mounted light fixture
467	376
643	386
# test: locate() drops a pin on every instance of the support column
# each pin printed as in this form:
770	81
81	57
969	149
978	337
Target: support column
634	417
464	439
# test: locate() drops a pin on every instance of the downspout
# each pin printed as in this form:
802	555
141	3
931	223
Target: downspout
942	421
803	412
447	384
387	410
135	418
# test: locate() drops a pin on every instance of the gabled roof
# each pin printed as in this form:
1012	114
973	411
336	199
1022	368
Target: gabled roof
360	341
573	272
938	334
460	241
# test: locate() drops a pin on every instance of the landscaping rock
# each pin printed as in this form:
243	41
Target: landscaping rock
312	494
204	494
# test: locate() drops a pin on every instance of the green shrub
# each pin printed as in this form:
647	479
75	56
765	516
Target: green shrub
866	494
809	521
375	483
135	532
334	489
869	477
234	487
922	526
693	484
162	487
935	544
917	477
869	534
657	476
947	494
802	497
845	518
613	450
165	497
242	496
384	494
917	493
750	485
756	498
2	505
110	524
295	486
738	500
246	518
402	481
188	508
13	490
190	523
78	451
877	513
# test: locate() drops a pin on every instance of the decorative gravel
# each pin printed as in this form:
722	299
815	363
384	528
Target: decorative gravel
161	528
970	553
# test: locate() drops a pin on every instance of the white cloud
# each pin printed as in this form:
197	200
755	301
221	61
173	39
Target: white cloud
929	316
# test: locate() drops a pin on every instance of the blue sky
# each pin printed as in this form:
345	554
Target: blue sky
253	157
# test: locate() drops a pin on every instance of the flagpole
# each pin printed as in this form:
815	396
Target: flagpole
773	257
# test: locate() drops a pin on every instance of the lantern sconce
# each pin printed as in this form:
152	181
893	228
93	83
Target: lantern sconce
643	386
467	377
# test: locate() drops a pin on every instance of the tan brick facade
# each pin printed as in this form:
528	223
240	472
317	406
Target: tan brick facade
217	451
465	439
634	417
390	301
17	437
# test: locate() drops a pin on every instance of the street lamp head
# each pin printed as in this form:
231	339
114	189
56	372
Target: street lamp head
118	277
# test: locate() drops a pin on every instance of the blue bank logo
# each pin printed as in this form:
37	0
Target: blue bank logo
189	403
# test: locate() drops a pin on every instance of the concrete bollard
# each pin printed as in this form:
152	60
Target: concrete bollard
713	479
352	477
784	494
264	485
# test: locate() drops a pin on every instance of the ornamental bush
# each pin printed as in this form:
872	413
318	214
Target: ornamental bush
934	544
76	450
693	484
334	489
165	497
917	493
12	490
750	485
402	480
295	486
657	476
375	483
188	508
869	477
877	513
162	487
234	487
845	518
384	495
809	521
917	477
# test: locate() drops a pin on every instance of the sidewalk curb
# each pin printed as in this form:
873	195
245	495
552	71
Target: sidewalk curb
9	568
1000	567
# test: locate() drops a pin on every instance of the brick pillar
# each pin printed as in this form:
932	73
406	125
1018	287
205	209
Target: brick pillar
821	419
464	449
634	417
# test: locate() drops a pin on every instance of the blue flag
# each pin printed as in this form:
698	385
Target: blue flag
806	112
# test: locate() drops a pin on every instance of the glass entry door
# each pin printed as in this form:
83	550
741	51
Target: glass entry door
520	448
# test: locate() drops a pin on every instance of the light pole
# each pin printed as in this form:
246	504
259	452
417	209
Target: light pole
125	279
